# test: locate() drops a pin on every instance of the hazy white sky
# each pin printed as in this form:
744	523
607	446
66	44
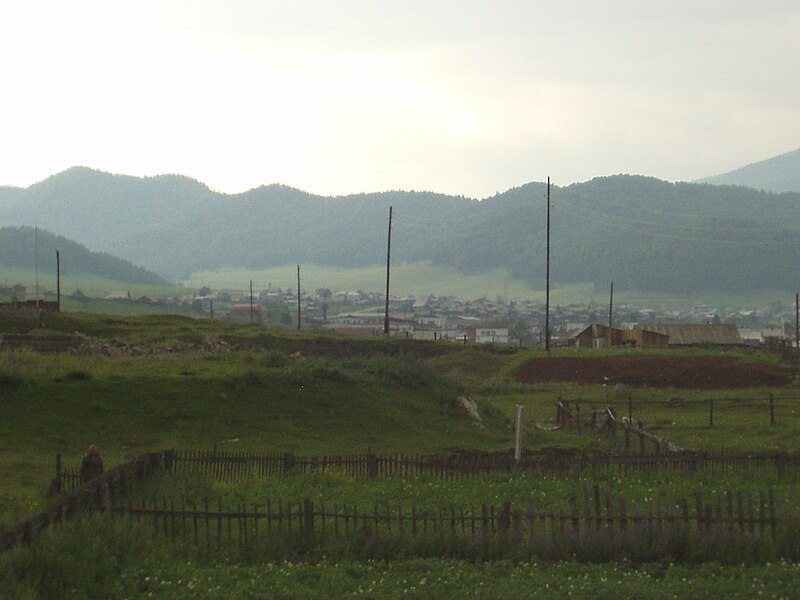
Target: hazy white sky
333	97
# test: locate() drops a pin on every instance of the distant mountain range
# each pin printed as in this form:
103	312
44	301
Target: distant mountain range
643	233
777	174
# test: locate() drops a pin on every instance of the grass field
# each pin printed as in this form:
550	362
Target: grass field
322	394
423	279
90	285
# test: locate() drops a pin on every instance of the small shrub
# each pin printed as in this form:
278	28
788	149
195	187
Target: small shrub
306	371
407	370
252	378
274	360
77	375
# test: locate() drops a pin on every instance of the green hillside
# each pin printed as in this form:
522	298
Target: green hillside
22	247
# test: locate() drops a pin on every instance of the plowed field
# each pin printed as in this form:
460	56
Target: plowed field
692	372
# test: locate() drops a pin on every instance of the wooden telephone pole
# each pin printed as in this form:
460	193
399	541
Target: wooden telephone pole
611	307
547	289
298	296
251	300
388	266
58	280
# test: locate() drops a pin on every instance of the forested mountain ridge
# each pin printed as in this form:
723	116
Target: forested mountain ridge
777	174
644	233
18	249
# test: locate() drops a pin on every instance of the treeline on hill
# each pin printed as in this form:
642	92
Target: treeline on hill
18	249
643	233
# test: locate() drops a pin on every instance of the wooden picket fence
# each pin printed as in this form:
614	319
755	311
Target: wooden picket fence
111	487
234	466
729	525
231	466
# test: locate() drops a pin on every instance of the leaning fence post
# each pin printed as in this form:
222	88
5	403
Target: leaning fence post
372	463
288	462
505	518
308	521
169	460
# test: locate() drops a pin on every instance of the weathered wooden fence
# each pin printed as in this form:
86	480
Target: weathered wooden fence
720	525
230	466
110	488
235	466
570	416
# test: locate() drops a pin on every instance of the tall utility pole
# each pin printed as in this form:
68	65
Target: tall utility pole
797	323
611	307
388	266
298	296
547	290
251	300
36	258
58	280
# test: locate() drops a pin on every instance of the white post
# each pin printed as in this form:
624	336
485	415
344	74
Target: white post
518	446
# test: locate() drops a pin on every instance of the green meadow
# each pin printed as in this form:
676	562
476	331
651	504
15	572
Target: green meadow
91	286
424	279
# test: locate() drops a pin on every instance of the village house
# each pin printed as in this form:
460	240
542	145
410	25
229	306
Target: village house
602	336
487	335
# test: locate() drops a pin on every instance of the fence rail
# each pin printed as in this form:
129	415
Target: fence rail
730	524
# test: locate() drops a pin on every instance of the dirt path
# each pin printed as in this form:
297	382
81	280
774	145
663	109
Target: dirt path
692	372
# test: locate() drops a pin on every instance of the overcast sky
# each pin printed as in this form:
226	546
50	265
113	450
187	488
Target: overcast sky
334	97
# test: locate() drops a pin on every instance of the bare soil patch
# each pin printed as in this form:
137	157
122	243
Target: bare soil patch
691	372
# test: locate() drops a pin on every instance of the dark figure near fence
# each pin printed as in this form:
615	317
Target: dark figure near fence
91	465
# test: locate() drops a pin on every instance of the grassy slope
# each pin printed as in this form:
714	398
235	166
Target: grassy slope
741	418
243	400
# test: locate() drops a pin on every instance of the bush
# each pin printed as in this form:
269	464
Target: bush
275	360
77	375
308	370
407	370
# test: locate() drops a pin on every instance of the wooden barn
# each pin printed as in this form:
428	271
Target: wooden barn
602	336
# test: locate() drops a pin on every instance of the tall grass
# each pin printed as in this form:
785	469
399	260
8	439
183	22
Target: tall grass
85	558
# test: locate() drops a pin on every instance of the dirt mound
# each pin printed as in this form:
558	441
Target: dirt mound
692	372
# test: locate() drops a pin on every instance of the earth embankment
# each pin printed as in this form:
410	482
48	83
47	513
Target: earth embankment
689	372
